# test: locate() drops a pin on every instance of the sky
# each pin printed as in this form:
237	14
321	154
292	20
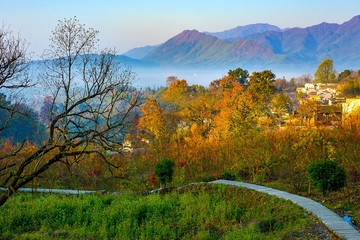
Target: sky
126	24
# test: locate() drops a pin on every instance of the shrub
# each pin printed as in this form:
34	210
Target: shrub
207	179
227	175
326	175
164	171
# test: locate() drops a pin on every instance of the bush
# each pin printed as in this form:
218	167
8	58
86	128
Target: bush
227	175
207	179
326	175
164	171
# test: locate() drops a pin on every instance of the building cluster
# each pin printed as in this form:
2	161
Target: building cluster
332	105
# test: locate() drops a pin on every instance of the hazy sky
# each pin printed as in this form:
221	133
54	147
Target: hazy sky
126	24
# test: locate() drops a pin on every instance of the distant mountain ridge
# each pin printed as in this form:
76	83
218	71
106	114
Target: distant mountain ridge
140	52
242	31
260	45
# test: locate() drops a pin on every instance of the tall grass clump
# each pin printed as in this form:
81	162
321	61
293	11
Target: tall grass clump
201	211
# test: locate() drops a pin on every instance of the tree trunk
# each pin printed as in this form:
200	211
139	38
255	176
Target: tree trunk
5	196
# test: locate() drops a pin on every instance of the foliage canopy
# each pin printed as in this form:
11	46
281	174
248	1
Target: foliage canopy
325	72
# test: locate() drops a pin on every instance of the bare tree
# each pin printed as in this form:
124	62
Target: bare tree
305	78
15	66
94	98
281	84
14	61
14	74
170	79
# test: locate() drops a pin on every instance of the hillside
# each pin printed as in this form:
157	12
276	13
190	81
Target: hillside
140	52
261	45
242	31
199	49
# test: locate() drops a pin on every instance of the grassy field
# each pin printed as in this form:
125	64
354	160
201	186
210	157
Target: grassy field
201	211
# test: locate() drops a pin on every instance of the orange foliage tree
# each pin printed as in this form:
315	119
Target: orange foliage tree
229	127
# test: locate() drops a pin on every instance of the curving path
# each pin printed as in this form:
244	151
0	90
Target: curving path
333	221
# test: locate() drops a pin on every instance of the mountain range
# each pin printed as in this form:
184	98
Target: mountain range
259	46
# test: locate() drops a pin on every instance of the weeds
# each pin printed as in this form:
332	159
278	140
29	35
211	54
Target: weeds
202	211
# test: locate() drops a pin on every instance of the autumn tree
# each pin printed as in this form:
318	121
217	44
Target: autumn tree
261	85
281	104
350	88
177	93
152	119
236	111
95	98
201	111
325	72
214	85
307	110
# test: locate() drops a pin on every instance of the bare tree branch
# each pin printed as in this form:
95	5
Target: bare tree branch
94	100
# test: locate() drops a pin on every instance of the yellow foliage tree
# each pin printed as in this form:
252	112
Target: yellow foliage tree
237	111
152	120
177	93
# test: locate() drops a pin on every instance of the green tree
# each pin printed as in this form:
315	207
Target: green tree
325	72
261	85
326	175
239	75
292	85
164	171
344	74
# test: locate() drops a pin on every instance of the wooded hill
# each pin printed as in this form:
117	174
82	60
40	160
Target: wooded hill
260	45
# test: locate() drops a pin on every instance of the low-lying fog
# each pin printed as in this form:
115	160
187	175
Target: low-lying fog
156	77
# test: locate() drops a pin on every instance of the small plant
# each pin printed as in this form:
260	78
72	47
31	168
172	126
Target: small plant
326	175
164	171
207	179
227	175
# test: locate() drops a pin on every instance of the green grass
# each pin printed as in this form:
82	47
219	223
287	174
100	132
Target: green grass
202	211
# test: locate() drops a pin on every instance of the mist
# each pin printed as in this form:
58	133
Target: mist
156	76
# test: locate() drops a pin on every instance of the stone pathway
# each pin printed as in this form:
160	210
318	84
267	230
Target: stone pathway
333	221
